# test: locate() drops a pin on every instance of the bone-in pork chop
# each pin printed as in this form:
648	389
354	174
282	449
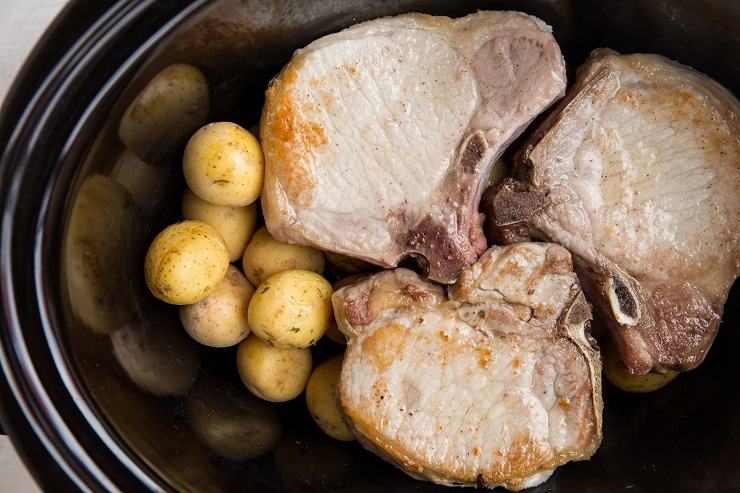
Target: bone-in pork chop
378	139
495	381
637	173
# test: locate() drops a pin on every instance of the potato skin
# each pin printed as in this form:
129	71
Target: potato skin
232	421
220	319
96	242
160	119
618	375
347	264
272	373
185	262
157	356
291	309
321	398
236	224
265	256
223	164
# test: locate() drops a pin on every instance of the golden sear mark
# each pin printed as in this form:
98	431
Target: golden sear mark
485	357
686	109
293	138
564	404
383	345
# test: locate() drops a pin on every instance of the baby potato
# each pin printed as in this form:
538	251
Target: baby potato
232	421
96	243
185	262
223	164
265	256
321	399
161	118
291	309
220	319
617	373
156	355
348	264
271	373
236	224
498	172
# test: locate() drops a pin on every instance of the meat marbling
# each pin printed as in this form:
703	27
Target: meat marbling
496	383
637	173
378	139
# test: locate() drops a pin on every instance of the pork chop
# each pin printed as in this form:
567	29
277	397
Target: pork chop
378	139
637	173
495	384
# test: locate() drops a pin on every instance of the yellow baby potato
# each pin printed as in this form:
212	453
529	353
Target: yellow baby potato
232	421
236	224
272	373
265	256
334	334
291	309
348	264
99	225
617	373
185	262
220	319
223	164
157	355
499	171
321	398
160	119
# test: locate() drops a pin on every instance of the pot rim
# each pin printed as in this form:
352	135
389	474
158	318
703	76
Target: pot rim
54	425
60	434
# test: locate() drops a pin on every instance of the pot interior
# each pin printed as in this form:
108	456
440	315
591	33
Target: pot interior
167	406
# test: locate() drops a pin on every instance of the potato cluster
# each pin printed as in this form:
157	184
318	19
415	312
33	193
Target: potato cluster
237	286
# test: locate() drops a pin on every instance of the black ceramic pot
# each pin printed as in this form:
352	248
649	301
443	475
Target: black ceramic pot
78	418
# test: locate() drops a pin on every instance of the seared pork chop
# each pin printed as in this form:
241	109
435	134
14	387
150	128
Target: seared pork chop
496	383
637	173
378	139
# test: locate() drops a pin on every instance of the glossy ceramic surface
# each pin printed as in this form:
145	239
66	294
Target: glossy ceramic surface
69	405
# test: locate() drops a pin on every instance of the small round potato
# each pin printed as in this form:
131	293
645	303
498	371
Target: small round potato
185	262
232	421
265	256
499	171
348	264
321	398
236	224
271	373
617	373
161	118
157	355
223	164
97	239
220	319
291	309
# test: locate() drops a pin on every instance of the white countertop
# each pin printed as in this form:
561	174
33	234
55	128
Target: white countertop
21	23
